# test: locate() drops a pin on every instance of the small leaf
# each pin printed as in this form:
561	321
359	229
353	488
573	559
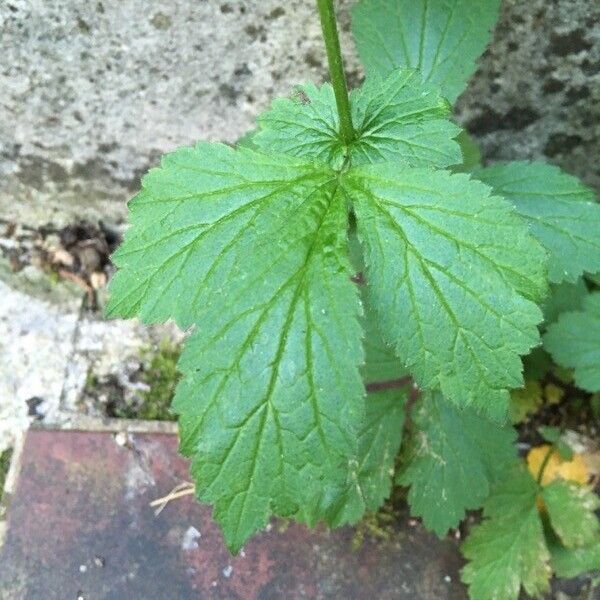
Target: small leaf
536	364
576	561
563	214
550	434
564	297
574	342
453	456
525	401
571	510
247	140
448	267
379	442
553	394
470	152
440	39
508	549
370	480
556	467
564	450
398	119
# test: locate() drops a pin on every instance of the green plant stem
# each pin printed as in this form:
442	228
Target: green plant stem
336	68
544	464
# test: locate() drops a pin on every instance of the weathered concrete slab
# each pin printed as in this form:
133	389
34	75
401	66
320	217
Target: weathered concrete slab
50	347
80	526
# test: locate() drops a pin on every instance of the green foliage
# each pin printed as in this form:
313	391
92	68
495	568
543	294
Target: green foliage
471	154
512	548
574	342
450	269
564	297
563	214
161	377
571	510
441	39
318	270
398	119
452	458
508	550
575	561
525	401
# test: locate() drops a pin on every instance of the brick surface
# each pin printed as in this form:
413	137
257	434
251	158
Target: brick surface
80	526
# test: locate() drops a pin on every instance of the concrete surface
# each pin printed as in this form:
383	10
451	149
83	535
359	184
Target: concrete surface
50	346
80	526
91	93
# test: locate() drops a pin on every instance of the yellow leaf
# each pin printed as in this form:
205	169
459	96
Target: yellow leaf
572	470
553	393
525	401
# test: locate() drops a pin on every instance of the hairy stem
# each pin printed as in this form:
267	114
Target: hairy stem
336	68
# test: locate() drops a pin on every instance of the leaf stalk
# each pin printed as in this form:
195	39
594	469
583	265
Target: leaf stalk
544	464
336	68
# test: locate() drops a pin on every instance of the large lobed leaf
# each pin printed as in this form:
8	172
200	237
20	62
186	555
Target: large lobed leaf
251	251
574	342
398	119
450	270
563	214
440	38
453	456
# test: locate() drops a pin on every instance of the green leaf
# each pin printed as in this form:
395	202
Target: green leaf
453	457
536	364
247	140
399	119
564	297
381	364
448	267
252	250
572	562
379	442
442	39
471	154
574	342
508	549
382	367
571	510
593	278
550	434
563	214
525	401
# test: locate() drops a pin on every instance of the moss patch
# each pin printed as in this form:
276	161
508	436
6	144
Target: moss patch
150	392
4	465
161	377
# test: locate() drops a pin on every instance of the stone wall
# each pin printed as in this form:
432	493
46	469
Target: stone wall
93	91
